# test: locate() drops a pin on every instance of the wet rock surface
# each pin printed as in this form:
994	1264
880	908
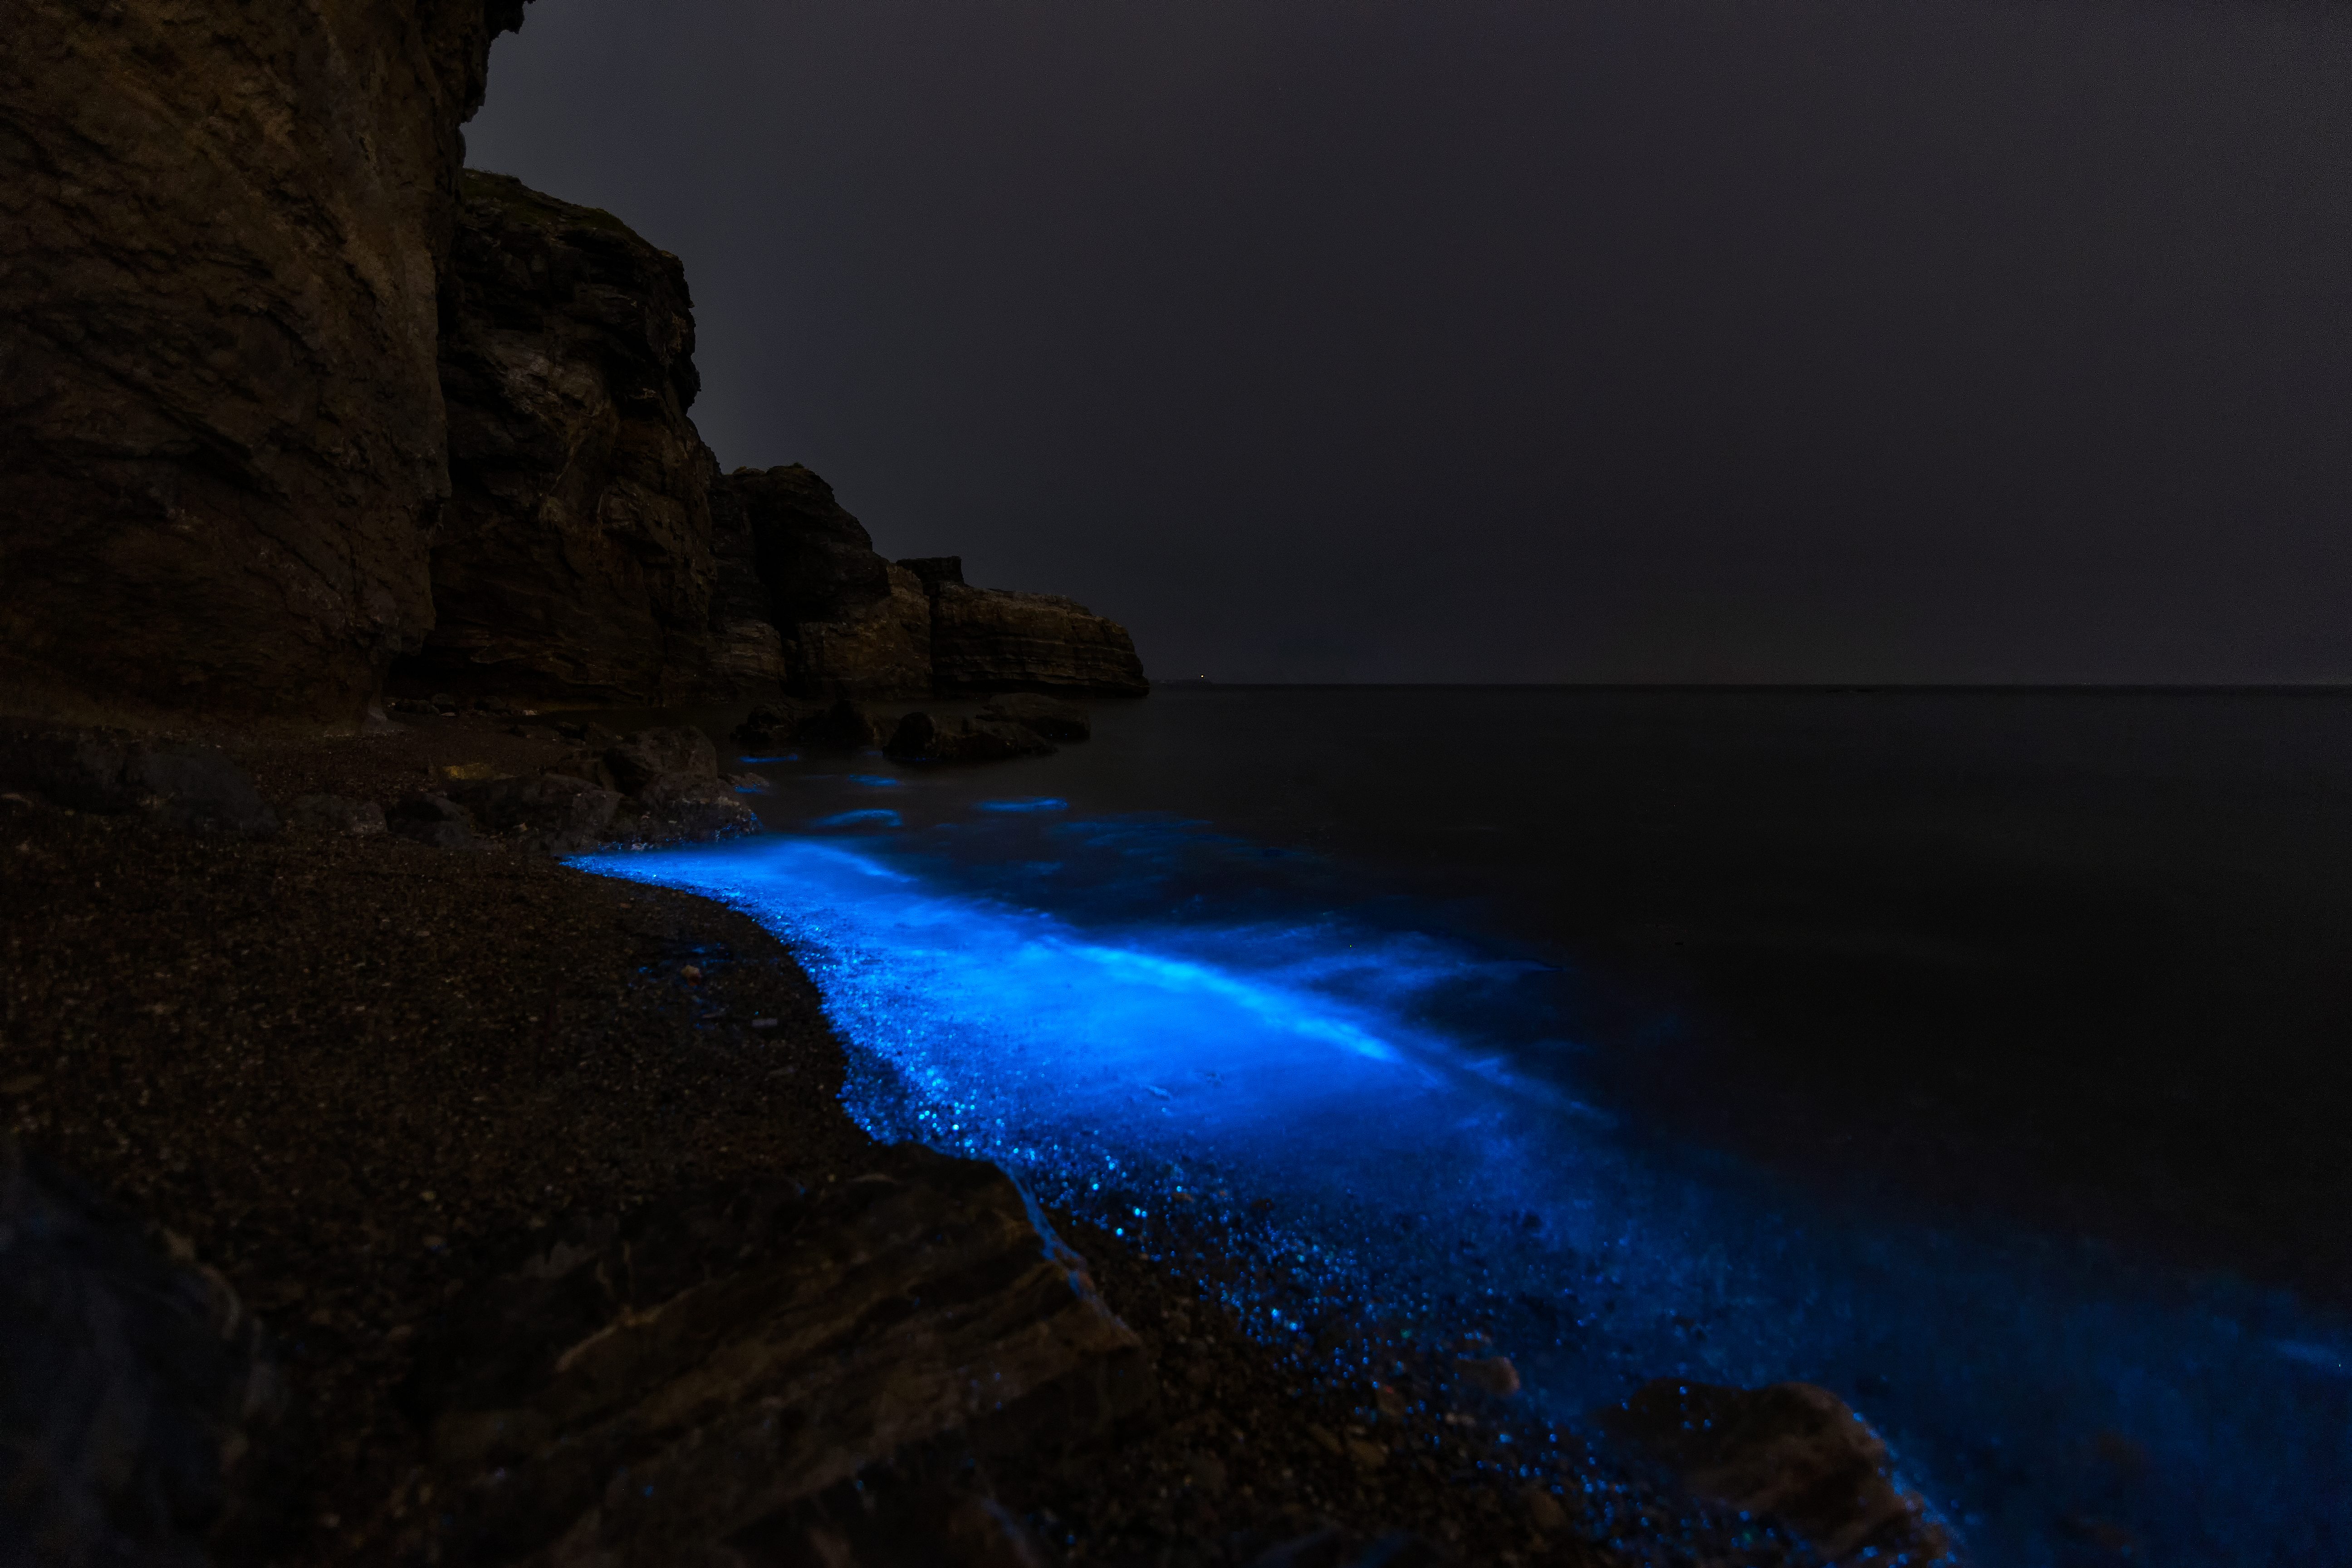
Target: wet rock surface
220	431
842	725
143	1408
923	738
1047	716
1791	1452
576	559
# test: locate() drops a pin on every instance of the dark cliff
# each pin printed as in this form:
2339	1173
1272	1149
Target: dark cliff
988	639
575	561
855	625
292	406
221	429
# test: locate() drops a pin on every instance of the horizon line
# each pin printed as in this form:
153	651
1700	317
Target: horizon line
2218	687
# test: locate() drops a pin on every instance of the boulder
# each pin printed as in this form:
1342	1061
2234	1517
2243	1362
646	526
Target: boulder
770	1375
845	726
856	625
1049	716
576	559
554	814
648	753
192	788
1794	1452
692	806
983	640
772	726
222	443
143	1405
920	738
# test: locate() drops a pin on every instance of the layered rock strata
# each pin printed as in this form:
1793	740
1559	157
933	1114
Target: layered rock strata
576	559
987	639
745	1379
221	432
854	625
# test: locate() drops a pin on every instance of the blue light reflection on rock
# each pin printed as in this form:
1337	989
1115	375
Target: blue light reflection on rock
1035	1011
1039	802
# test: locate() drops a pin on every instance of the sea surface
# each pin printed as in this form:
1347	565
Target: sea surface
1984	1056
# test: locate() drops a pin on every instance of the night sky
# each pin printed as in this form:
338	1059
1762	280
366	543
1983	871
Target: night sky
1459	340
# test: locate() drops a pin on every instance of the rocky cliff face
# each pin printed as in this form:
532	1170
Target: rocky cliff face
986	639
220	431
289	402
856	625
576	559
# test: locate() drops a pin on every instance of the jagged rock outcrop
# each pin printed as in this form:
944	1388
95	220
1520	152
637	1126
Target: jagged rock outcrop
576	559
141	1403
855	625
986	639
1791	1452
220	431
745	1379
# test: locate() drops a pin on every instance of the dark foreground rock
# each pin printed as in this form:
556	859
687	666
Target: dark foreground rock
142	1407
1791	1452
640	758
191	787
921	738
689	1385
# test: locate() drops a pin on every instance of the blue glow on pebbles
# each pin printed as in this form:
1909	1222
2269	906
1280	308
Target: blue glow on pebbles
1428	1175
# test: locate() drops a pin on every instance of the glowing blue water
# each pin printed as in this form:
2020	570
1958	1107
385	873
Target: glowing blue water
1006	992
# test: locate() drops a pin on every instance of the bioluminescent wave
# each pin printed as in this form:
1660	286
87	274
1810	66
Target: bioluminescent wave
877	816
1430	1160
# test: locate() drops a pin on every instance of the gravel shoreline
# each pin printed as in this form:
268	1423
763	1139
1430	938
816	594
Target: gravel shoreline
359	1075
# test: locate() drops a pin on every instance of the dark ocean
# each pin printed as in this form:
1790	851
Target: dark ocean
1985	1056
